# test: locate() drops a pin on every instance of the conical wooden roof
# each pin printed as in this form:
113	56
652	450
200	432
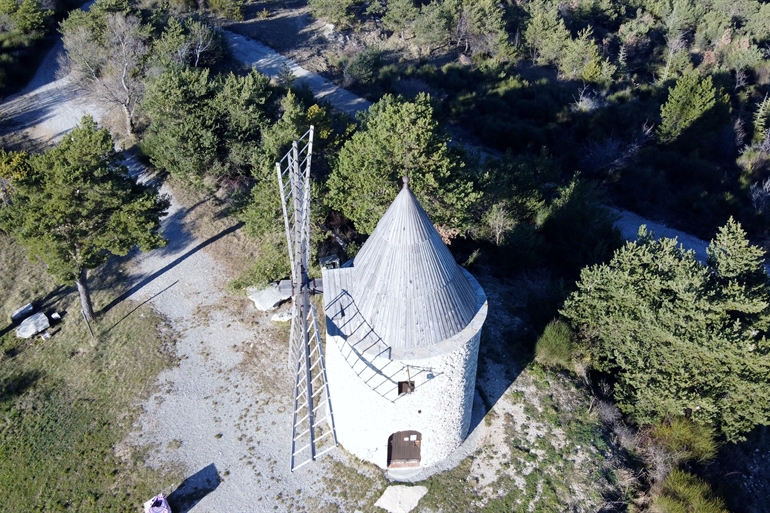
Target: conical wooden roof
406	283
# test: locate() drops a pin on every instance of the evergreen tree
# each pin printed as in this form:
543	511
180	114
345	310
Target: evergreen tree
74	207
545	35
485	27
580	57
400	16
688	100
431	28
206	128
335	11
679	337
400	138
182	138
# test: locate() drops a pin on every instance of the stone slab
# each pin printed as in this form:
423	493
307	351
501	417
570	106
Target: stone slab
268	298
401	499
22	312
33	325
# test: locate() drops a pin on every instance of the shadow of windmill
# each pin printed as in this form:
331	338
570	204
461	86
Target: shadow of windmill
194	489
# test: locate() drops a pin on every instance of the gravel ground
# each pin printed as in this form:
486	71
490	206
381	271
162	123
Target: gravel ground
46	109
225	404
222	415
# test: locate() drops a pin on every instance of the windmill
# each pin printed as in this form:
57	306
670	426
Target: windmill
313	432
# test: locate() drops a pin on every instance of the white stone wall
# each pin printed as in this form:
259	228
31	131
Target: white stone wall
439	408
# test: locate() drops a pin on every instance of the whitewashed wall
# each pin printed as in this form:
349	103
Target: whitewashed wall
439	408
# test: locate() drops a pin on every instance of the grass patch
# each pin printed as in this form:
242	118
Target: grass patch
355	486
66	403
451	491
555	346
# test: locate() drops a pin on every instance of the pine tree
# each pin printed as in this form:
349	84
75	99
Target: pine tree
681	338
75	207
761	118
400	138
688	100
431	28
335	11
400	16
546	35
580	58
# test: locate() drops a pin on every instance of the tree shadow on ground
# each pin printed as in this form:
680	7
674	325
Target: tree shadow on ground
148	279
194	489
179	237
16	385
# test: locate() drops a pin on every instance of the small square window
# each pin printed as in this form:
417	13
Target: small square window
405	387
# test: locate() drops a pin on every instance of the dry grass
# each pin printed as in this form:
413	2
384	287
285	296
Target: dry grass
66	402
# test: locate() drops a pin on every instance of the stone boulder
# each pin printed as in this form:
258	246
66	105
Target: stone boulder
401	499
269	298
33	325
22	312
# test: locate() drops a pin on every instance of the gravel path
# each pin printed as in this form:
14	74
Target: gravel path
222	412
270	62
47	108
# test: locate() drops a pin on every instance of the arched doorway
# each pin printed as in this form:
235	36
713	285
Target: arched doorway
404	449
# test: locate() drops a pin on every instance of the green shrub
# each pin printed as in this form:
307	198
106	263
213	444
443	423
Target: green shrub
231	9
686	439
686	493
555	347
362	67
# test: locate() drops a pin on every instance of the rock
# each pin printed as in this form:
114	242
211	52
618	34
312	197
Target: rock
284	316
269	298
22	312
401	499
33	325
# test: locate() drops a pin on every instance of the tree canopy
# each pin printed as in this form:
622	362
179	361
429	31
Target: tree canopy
203	126
74	206
400	138
681	338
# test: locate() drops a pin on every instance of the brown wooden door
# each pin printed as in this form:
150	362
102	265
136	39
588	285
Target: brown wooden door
404	449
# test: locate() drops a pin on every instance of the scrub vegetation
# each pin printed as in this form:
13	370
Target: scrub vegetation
638	375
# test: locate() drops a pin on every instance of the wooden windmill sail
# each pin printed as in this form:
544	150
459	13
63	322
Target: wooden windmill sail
313	431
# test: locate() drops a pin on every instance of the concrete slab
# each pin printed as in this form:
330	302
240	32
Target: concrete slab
401	499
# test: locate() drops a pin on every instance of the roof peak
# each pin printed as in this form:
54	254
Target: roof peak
406	283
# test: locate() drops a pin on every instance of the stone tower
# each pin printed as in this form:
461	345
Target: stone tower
403	328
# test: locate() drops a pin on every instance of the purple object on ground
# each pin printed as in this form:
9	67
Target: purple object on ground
157	504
